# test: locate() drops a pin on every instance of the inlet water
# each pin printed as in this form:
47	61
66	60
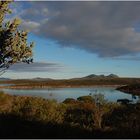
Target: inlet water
60	94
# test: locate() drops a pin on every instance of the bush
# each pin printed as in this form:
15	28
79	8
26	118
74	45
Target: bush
86	99
38	109
5	102
98	114
69	101
80	114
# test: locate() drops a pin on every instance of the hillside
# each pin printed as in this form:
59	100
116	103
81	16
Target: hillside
101	76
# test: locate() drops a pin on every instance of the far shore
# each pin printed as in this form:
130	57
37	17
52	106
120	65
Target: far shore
67	83
62	86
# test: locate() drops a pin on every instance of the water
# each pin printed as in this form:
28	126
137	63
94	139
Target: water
6	84
60	94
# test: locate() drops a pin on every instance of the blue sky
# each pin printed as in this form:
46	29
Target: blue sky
74	39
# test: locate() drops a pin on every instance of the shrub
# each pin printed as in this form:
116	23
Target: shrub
34	108
69	101
83	114
79	114
5	102
85	99
100	109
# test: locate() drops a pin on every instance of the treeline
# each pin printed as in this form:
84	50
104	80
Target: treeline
84	117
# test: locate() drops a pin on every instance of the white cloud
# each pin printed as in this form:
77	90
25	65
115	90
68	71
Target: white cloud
30	25
107	29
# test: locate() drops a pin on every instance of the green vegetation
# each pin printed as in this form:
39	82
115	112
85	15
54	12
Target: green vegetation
88	99
86	117
13	42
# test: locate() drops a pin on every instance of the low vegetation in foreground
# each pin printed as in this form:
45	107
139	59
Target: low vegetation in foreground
85	117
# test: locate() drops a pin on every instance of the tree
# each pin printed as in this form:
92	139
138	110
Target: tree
100	109
13	42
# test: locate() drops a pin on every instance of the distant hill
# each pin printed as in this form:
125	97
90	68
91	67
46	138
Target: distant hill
101	76
42	79
91	76
112	76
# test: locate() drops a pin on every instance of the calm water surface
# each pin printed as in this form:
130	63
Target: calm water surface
60	94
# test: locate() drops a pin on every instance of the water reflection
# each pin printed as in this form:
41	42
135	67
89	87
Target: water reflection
60	94
138	100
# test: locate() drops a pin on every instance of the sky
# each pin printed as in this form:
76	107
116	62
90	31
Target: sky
78	38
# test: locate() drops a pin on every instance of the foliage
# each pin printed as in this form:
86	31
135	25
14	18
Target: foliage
99	99
5	102
80	114
106	117
99	108
69	101
13	42
85	99
38	109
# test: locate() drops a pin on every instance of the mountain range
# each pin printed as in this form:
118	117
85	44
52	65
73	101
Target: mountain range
101	76
91	76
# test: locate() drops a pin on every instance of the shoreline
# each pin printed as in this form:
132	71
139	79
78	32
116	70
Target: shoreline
48	87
